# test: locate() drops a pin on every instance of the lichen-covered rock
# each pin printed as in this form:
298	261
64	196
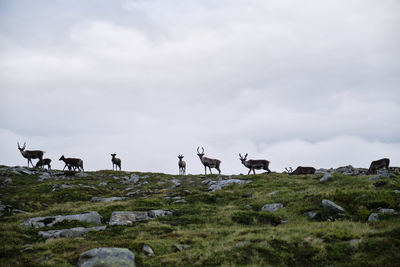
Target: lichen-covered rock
148	250
73	232
272	207
107	257
90	217
327	176
331	208
386	211
373	217
159	213
222	182
108	199
129	217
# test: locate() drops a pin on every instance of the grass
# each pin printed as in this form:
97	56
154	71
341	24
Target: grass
224	228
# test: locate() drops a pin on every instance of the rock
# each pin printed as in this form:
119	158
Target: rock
272	207
327	176
386	211
312	214
44	176
107	257
373	217
176	183
350	170
81	174
380	183
4	208
127	217
103	184
148	250
218	184
7	181
242	244
159	213
381	175
396	191
108	199
272	193
60	186
90	217
331	207
323	171
180	247
73	232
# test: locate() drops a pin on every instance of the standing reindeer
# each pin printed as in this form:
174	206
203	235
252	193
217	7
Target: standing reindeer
182	165
30	154
207	162
43	162
255	164
72	162
115	161
300	170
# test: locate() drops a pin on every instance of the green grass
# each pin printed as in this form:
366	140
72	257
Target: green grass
224	228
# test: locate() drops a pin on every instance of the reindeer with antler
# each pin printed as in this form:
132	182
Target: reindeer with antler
182	165
254	164
207	162
30	154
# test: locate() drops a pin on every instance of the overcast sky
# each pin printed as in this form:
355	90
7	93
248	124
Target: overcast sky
312	83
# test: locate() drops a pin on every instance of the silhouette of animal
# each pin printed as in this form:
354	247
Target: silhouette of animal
301	170
181	165
72	162
255	164
30	154
42	162
116	161
208	162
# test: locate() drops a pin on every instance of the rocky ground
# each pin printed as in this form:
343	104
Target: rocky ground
338	217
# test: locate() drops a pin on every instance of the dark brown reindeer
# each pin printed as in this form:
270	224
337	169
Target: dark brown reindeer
42	162
115	161
207	162
378	164
182	165
30	154
301	170
255	164
72	163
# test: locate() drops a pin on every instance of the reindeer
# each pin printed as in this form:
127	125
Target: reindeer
115	161
30	154
182	165
377	164
207	162
300	170
43	162
254	164
72	162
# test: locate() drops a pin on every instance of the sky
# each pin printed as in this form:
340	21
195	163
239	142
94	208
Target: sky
296	82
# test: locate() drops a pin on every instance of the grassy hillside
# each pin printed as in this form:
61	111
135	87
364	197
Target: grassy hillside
225	227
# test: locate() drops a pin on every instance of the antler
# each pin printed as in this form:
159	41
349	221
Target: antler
202	150
240	156
246	155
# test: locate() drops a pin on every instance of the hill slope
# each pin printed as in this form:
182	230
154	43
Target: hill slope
216	220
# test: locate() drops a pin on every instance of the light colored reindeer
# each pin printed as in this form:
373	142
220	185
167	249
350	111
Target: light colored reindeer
207	162
115	161
30	154
254	164
181	165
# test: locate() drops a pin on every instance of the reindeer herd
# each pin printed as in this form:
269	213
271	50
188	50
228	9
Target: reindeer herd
76	164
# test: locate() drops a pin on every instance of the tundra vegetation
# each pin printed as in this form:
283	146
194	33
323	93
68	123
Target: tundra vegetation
229	226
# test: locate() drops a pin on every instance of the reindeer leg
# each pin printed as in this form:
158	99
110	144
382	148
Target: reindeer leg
210	169
254	171
249	172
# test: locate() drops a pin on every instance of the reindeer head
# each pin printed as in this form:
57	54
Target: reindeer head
62	157
113	155
200	154
23	148
180	157
289	170
243	159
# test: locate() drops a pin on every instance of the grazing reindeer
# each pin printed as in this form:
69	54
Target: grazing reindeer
30	154
116	161
254	164
72	162
301	170
182	165
43	162
207	162
377	164
288	170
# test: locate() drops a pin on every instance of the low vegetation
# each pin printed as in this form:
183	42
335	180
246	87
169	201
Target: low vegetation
226	227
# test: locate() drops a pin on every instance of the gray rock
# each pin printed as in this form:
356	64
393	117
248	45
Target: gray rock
386	211
44	176
272	207
107	257
312	214
148	250
159	213
7	181
60	186
103	184
176	183
396	191
373	217
90	217
242	244
128	217
331	207
327	176
4	208
108	199
272	193
350	170
73	232
218	184
81	174
180	247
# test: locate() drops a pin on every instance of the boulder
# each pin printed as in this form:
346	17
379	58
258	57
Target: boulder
122	257
312	214
386	211
129	217
272	207
108	199
73	232
159	213
148	250
222	182
327	176
89	217
331	208
373	217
